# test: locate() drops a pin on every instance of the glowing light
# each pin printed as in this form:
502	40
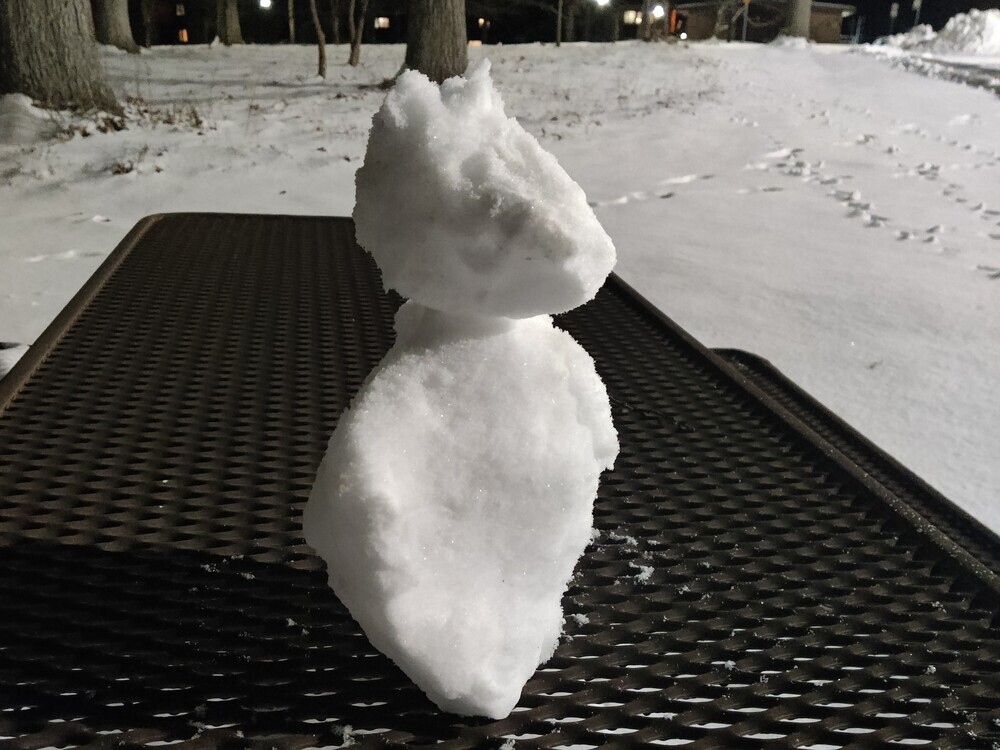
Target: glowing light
265	4
482	22
382	22
684	35
658	12
632	18
602	3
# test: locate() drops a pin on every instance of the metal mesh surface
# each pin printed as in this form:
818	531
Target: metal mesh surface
750	586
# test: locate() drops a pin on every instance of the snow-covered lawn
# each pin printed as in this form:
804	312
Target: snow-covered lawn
824	209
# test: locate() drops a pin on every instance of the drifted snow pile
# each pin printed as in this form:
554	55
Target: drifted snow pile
974	33
21	122
456	494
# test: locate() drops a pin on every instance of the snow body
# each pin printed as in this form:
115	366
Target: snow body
463	211
456	497
457	492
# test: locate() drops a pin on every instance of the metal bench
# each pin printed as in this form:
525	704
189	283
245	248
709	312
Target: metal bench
763	577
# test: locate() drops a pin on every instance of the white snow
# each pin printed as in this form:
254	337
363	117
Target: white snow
21	122
9	355
456	496
974	33
838	216
485	221
457	491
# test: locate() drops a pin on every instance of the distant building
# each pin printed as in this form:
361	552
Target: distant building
711	18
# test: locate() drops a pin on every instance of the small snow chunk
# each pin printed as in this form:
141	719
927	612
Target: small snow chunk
464	211
644	574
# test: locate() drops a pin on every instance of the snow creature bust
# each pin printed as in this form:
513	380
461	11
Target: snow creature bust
456	494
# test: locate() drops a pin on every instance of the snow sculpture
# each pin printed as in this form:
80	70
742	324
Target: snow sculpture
456	494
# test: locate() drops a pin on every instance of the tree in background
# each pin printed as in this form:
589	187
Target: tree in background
48	52
570	10
146	13
646	28
291	21
320	40
436	42
356	26
227	22
798	18
112	26
335	21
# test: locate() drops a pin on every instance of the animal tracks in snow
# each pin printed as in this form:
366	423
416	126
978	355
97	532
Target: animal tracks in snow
70	254
794	162
659	193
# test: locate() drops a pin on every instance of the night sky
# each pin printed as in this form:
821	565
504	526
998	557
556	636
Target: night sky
509	22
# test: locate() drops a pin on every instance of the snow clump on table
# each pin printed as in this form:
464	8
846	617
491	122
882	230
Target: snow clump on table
456	494
463	211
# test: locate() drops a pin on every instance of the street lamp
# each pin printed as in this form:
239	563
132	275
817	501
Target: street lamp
265	4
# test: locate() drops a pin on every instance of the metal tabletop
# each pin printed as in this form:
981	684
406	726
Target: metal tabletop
763	576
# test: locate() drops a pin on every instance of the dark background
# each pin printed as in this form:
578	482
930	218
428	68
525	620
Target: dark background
507	22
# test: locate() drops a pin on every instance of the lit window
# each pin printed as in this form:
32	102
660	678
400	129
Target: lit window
482	22
180	9
182	35
632	17
382	22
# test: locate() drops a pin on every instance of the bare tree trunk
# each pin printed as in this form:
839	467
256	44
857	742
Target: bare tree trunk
357	23
146	9
569	26
646	30
112	26
799	17
335	20
320	40
47	52
559	19
436	38
291	21
227	22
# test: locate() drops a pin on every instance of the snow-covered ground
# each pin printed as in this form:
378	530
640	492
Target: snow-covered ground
831	212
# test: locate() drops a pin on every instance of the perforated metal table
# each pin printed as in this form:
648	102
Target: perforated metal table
763	577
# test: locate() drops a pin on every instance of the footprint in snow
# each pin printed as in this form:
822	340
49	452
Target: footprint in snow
66	255
782	153
992	272
684	179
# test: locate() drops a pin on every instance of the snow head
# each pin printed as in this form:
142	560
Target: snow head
465	212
